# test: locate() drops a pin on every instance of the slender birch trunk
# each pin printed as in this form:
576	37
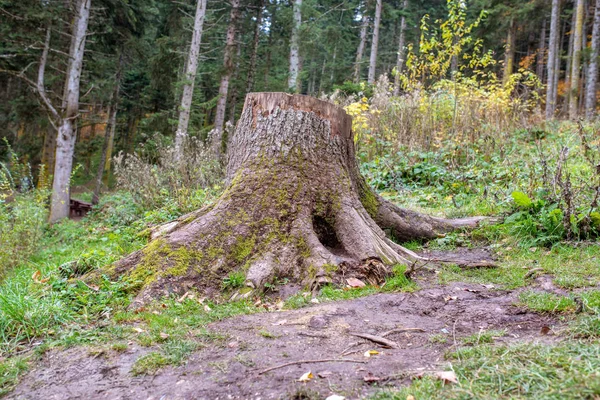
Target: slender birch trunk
190	77
541	54
591	83
575	68
228	66
553	66
295	47
375	43
109	134
509	54
255	43
65	141
400	60
364	26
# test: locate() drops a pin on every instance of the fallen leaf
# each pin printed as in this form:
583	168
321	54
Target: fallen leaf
138	330
164	336
446	376
315	301
410	397
545	330
36	276
232	345
306	377
490	286
257	303
448	298
370	353
335	397
206	308
355	283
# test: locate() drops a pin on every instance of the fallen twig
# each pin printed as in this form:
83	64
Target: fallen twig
400	330
532	272
377	339
310	362
314	335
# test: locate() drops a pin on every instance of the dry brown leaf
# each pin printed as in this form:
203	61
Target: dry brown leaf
164	336
355	283
371	379
306	377
446	376
545	330
36	276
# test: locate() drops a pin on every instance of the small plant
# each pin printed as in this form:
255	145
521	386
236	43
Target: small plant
234	280
483	337
438	338
149	364
266	334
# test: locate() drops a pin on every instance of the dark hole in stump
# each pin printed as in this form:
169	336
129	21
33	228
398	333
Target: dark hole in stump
326	233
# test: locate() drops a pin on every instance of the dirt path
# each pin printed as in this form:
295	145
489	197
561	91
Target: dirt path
257	342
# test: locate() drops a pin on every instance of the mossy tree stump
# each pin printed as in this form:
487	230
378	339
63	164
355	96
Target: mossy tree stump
295	206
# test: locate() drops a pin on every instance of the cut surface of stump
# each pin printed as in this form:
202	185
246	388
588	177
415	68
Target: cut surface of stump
295	207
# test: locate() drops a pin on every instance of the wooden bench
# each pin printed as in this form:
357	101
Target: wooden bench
79	208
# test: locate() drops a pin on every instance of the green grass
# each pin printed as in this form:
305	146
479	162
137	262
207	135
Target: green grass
524	371
10	369
482	337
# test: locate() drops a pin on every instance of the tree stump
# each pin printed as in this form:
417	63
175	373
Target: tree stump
295	207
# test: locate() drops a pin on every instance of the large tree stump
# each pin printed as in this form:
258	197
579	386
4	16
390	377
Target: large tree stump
295	206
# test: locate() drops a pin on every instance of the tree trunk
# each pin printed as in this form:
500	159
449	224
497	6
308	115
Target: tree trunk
190	78
590	88
400	60
509	54
375	43
109	134
217	139
553	70
541	54
65	141
295	47
272	21
575	67
296	207
364	26
255	43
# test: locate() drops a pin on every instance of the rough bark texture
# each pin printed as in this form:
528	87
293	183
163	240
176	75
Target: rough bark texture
255	43
400	59
228	67
65	141
364	25
552	56
375	43
592	75
295	47
509	53
190	77
296	207
541	53
577	44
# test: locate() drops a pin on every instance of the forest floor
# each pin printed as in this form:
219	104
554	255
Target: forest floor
433	325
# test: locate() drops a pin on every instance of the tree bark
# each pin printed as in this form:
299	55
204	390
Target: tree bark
576	63
592	75
65	141
375	43
364	26
509	54
228	66
541	55
255	43
400	60
109	134
553	69
295	47
190	78
296	206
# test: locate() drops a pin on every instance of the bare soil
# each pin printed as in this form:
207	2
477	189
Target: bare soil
231	370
